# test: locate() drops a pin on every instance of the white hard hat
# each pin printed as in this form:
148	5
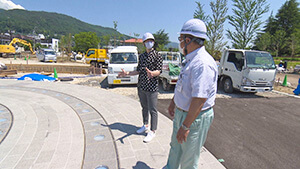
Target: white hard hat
147	36
194	27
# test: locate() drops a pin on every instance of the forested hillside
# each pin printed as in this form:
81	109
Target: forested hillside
26	22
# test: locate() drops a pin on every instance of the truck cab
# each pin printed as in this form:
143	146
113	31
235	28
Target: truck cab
96	57
122	57
246	71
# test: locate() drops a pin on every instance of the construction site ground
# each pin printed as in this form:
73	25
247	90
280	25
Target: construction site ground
100	81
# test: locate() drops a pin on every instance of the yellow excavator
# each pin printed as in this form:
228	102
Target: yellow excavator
11	50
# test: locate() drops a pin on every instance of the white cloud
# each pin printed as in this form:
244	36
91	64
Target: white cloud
7	4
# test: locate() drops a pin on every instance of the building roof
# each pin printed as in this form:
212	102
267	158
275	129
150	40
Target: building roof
133	41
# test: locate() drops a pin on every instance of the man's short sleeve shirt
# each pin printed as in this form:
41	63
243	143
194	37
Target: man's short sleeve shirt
198	78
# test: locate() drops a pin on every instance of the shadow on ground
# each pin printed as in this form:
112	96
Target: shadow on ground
128	129
141	165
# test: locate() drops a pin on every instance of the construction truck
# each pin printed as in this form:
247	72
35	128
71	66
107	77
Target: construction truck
170	69
246	71
97	57
11	50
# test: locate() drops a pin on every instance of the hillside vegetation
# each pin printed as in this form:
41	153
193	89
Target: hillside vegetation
48	23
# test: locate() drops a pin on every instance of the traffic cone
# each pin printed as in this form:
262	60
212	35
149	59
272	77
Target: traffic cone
285	81
55	74
25	58
15	57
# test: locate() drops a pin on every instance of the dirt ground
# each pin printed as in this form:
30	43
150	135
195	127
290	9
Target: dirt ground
99	81
292	81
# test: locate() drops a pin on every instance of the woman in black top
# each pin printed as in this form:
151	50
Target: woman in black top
149	68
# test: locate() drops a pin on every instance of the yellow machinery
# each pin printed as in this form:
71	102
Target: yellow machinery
96	57
10	49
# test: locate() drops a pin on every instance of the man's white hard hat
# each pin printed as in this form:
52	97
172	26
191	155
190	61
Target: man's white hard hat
147	36
194	27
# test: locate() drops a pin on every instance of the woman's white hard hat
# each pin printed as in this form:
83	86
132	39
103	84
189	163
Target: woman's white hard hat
147	36
194	27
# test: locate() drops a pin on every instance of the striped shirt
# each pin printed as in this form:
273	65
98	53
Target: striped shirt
153	61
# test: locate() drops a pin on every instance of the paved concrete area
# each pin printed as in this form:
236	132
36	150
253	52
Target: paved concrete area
57	125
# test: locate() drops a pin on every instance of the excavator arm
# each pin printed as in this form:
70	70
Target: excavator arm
24	42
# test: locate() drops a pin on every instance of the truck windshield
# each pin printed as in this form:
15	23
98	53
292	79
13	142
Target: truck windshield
170	57
49	53
122	58
259	60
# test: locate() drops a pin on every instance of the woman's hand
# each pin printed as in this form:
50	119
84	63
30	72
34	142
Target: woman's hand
122	73
150	73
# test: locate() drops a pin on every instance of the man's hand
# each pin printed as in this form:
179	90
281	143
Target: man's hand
149	73
171	109
182	135
122	73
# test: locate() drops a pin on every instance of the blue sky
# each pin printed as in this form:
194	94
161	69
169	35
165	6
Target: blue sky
133	16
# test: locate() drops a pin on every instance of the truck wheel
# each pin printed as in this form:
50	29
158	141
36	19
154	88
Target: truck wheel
166	85
227	85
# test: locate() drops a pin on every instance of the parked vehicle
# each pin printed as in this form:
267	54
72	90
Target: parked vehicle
122	57
10	49
96	57
170	69
246	71
297	69
46	55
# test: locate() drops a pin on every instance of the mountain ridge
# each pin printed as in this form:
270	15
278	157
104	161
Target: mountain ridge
48	23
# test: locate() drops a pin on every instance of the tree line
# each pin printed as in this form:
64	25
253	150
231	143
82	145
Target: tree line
279	35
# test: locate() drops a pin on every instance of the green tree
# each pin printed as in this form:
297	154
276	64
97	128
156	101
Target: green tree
86	40
215	28
271	25
294	43
246	20
105	40
287	20
199	13
278	40
115	28
288	17
161	38
264	41
66	44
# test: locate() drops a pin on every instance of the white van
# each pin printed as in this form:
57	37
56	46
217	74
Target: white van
122	57
46	55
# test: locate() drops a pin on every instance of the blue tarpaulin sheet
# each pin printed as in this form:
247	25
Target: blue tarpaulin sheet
36	77
297	90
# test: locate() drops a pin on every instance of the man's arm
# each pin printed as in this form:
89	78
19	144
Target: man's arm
194	111
171	108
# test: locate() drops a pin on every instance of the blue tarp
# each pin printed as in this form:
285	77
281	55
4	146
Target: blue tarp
297	90
36	77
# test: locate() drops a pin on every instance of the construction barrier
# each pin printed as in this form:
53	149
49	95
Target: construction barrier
59	68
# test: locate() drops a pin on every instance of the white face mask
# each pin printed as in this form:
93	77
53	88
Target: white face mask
149	44
181	49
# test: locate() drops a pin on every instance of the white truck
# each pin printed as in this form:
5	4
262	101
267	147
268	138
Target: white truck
246	71
122	57
170	69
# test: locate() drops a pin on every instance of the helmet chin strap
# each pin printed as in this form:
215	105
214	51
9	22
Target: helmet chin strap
186	44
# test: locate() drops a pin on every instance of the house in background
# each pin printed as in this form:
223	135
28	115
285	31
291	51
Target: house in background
132	42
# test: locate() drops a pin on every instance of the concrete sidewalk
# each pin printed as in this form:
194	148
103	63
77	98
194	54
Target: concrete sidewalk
58	125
